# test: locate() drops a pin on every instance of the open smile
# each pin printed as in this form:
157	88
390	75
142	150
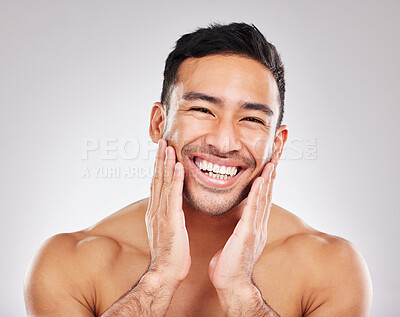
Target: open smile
216	172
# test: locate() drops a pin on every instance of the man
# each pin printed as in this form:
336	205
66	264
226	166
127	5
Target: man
208	241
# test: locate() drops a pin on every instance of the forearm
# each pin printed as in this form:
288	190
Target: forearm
245	301
150	297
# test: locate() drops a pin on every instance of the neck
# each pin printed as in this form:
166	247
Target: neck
207	234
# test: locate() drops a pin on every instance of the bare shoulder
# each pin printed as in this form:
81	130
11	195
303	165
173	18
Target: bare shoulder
127	226
336	279
66	270
61	275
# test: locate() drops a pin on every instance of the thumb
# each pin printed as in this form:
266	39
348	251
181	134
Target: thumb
213	263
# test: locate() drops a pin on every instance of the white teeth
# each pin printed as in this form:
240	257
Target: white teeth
215	168
218	176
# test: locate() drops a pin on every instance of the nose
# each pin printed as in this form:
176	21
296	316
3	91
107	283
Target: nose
224	136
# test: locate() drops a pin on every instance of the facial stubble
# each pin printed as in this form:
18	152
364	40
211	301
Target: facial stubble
215	201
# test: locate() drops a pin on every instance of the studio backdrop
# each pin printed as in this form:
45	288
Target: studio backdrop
78	80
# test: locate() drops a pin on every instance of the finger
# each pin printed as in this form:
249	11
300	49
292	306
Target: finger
267	208
262	198
265	173
157	181
169	164
275	162
174	198
250	210
246	222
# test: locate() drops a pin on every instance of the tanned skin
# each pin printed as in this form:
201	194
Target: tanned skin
179	252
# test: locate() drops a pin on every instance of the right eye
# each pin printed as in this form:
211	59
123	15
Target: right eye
201	109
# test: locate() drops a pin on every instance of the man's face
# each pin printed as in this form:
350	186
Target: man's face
221	122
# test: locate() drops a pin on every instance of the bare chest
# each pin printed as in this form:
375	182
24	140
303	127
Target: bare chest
277	278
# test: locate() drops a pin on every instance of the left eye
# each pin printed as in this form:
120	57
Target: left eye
252	119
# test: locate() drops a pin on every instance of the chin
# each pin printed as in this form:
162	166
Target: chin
214	203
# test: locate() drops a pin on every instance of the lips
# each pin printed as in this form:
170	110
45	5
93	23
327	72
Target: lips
216	172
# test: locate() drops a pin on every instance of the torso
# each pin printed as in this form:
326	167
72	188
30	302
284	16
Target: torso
114	254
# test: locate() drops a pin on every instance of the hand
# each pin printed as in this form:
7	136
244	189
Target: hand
232	267
165	220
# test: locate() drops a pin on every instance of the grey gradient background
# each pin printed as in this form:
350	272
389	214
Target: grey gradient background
77	69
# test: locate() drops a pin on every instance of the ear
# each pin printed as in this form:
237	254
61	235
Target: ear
279	142
157	122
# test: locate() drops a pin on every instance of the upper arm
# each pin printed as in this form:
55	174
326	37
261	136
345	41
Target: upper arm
342	281
49	283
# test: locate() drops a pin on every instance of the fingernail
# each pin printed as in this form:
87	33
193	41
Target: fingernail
160	143
178	170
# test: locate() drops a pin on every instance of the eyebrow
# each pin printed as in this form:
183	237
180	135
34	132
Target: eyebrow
200	96
215	100
259	107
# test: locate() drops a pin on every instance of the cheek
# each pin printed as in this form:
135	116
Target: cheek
188	129
262	149
181	133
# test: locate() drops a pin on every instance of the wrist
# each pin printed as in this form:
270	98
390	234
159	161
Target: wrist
233	298
244	300
157	279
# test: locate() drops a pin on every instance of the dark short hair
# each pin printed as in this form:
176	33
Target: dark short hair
236	38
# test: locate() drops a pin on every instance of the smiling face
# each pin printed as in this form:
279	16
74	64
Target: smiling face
221	121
